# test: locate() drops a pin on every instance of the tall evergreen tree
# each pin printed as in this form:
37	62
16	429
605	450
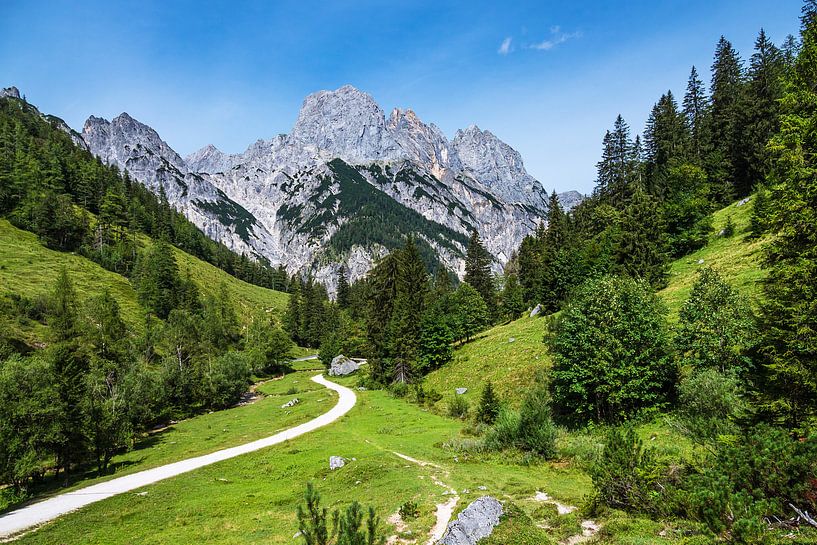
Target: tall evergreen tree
641	247
696	110
726	88
789	343
478	270
343	289
666	140
759	113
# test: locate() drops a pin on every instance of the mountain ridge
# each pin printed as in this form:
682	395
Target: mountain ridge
281	199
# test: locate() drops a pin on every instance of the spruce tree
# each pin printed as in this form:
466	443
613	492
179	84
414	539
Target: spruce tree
343	289
726	87
760	112
512	302
696	110
789	342
666	141
157	279
641	248
488	408
478	270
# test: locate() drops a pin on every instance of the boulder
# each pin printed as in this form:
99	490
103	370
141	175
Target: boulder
336	462
342	366
743	201
476	522
289	404
461	391
536	311
512	339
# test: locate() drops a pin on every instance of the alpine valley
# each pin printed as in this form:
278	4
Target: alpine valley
343	188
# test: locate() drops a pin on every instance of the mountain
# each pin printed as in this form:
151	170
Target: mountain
346	185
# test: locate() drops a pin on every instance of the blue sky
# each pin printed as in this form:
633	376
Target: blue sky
546	77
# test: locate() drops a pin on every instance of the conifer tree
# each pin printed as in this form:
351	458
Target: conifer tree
512	302
696	110
726	88
759	113
478	270
789	343
157	279
640	250
343	289
666	140
488	408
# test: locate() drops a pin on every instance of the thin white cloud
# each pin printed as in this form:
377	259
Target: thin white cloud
557	37
505	47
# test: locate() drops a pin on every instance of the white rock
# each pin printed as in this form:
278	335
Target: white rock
336	462
461	391
536	310
342	366
475	522
290	403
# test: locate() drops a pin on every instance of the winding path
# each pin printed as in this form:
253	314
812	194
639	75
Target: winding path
33	515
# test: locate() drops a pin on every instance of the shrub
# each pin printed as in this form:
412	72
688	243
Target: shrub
537	432
610	352
716	327
709	405
347	527
488	405
227	378
624	475
504	432
458	407
409	510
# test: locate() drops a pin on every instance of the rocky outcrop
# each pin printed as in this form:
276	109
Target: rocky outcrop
342	366
10	92
475	522
499	167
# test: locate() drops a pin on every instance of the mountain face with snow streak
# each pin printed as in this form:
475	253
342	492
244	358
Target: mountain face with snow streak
343	188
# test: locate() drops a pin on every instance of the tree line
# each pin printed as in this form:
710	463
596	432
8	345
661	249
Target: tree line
73	202
98	385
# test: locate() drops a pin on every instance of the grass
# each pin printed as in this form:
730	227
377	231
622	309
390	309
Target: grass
30	269
737	258
510	366
215	431
257	493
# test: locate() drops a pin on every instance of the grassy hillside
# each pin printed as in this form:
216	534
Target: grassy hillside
30	269
512	365
736	258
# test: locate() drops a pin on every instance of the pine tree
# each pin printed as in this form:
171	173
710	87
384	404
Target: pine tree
488	408
478	271
157	279
412	287
696	111
62	315
343	289
727	81
789	343
512	303
760	112
666	141
618	168
640	250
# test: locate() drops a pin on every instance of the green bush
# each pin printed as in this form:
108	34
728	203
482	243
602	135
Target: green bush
458	407
347	527
488	405
537	433
709	405
625	475
409	510
504	432
610	352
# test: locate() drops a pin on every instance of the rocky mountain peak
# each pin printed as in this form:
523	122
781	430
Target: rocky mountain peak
424	144
208	159
346	123
497	166
10	92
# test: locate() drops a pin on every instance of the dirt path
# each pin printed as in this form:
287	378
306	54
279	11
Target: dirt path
33	515
445	509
